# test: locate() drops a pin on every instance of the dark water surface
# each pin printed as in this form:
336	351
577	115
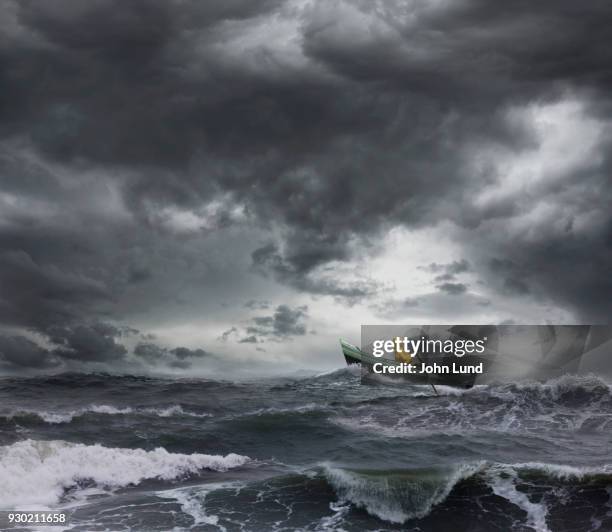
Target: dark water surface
318	453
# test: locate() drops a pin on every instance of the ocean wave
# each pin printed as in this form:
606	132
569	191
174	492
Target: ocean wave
568	403
71	415
37	473
564	387
192	500
556	471
397	496
273	410
504	485
503	479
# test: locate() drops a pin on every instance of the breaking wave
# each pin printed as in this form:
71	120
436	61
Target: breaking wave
398	496
39	472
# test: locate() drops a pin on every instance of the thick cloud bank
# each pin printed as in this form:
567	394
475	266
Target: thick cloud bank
161	160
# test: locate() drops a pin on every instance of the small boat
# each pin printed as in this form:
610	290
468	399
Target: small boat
354	355
513	352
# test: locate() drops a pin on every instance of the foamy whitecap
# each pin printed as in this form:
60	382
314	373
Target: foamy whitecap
71	415
563	472
38	472
193	500
502	480
300	409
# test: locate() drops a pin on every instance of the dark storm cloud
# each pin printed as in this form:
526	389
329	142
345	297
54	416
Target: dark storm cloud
295	270
248	340
362	120
179	357
39	295
288	321
183	353
453	289
20	352
88	343
82	343
447	272
511	275
285	323
150	352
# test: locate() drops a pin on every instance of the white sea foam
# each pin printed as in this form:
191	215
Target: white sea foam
334	521
193	501
502	481
563	472
502	478
299	409
38	472
556	388
69	415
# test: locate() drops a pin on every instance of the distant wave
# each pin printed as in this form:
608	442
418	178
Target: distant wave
568	403
560	387
39	472
69	416
170	411
273	410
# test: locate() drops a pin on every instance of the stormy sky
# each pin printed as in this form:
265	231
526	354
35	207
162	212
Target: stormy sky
193	187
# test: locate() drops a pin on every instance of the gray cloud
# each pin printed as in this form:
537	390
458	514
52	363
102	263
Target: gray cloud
132	135
283	324
453	289
254	304
288	321
95	342
20	352
296	271
452	268
447	272
179	357
183	353
150	352
252	339
88	343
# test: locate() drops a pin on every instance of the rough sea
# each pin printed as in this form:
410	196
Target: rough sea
317	453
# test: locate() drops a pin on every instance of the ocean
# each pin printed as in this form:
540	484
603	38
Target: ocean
313	453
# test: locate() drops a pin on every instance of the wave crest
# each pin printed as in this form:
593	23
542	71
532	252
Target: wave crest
38	472
69	416
396	496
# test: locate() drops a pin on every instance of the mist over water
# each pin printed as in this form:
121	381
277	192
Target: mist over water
316	453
